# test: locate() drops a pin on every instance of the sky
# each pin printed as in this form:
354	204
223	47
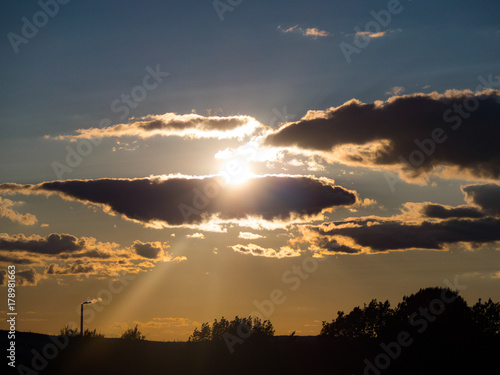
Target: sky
176	162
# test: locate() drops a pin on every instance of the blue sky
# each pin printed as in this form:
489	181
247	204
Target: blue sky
272	62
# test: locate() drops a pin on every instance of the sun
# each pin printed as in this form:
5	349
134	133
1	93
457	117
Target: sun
236	171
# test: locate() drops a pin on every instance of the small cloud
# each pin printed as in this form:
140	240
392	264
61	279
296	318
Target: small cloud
315	32
379	34
256	250
370	34
200	236
249	236
312	32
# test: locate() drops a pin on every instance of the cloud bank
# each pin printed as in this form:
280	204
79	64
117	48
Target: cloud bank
451	133
180	200
424	226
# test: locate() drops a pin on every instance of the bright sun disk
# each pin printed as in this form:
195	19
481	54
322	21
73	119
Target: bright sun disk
236	171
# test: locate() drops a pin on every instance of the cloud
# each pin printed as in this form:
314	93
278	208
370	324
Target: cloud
312	32
486	197
16	259
190	126
421	226
81	256
371	35
444	212
256	250
150	250
249	236
51	245
451	134
181	200
28	277
9	213
199	236
78	267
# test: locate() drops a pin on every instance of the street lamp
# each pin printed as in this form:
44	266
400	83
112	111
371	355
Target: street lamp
81	316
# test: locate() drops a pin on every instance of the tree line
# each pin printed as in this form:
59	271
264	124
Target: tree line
443	309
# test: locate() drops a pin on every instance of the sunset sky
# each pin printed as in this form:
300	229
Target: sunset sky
179	161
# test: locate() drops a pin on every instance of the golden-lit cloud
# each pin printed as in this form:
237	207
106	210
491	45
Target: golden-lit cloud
7	211
420	226
312	32
256	250
67	255
249	236
191	126
197	235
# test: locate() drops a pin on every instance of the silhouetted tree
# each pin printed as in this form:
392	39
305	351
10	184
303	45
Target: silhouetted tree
203	334
216	332
133	334
487	317
366	322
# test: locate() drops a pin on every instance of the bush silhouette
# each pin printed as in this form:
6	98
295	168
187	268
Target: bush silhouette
133	334
216	332
68	331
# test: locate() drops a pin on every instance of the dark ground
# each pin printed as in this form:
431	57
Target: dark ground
38	354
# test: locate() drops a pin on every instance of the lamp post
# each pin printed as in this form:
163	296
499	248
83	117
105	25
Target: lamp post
81	316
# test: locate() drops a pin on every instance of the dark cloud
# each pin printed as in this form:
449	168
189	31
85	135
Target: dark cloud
397	235
50	245
412	133
422	226
13	259
147	250
183	200
484	200
442	212
331	245
486	196
28	277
